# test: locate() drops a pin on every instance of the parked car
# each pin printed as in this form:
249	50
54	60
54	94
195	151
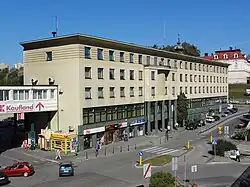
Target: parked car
19	169
216	118
4	179
210	119
225	114
66	169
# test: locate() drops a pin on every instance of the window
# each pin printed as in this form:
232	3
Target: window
186	65
39	93
44	94
132	92
181	89
100	54
203	78
195	78
180	77
131	58
100	115
140	91
131	75
49	56
168	63
140	59
225	56
175	64
236	55
191	66
100	92
122	74
191	78
87	72
207	79
215	57
199	78
190	90
195	66
52	94
166	90
152	75
211	90
181	65
87	93
152	91
195	90
140	75
111	74
155	61
186	90
122	113
122	91
111	56
199	67
207	89
87	52
186	77
203	89
100	73
204	68
199	89
148	60
173	90
121	56
211	79
173	76
15	94
112	92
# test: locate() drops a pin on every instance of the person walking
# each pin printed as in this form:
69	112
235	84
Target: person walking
237	155
97	148
58	154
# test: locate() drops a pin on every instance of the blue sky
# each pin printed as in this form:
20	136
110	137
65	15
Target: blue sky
210	25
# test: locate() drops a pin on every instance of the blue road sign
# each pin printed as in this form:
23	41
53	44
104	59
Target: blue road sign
140	153
214	142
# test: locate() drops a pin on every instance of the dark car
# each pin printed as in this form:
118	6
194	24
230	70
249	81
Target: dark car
66	169
4	179
191	126
216	118
201	123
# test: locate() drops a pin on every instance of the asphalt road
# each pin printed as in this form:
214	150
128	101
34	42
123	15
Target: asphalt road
119	170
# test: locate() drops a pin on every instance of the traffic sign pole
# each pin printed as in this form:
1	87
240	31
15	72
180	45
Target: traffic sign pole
140	160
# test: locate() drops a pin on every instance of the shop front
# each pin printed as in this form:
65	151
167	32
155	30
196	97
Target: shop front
115	132
92	135
136	128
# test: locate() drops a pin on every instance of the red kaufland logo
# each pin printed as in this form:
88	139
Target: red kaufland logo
2	108
19	108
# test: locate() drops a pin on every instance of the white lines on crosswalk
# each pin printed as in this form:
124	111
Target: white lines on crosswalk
159	150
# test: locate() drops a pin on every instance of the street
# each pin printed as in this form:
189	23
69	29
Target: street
119	169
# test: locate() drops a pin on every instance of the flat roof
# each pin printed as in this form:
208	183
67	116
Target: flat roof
111	44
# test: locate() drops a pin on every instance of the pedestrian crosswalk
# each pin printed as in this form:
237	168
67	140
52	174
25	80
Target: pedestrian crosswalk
159	150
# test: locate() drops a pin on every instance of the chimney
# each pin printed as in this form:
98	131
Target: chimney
205	54
230	48
212	54
54	34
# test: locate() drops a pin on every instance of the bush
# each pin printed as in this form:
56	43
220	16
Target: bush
162	179
222	146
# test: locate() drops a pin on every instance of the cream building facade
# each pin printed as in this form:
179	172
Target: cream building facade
108	88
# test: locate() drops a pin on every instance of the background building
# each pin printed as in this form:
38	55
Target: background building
107	88
4	66
239	69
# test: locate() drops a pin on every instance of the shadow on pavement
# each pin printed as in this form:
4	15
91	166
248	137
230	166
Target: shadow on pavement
243	180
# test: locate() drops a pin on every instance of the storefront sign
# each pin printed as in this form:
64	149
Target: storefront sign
137	122
93	131
124	124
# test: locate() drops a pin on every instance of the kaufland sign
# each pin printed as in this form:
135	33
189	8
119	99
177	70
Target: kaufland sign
20	107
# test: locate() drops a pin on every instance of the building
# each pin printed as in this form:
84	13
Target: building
18	66
4	66
239	69
108	87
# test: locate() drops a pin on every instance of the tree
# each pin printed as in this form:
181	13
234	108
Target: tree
188	49
222	146
182	108
162	179
11	77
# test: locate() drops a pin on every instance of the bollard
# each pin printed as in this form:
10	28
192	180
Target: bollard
188	145
113	150
128	147
86	154
105	151
120	148
135	146
160	140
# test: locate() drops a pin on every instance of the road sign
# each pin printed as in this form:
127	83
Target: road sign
194	168
140	153
174	163
214	142
147	170
226	130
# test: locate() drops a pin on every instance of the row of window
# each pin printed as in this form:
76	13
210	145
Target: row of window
162	61
225	56
103	114
25	94
195	78
192	90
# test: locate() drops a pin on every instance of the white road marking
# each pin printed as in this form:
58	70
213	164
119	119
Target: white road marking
10	158
160	150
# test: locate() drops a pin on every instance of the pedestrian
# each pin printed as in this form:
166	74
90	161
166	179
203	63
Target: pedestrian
58	154
97	148
237	155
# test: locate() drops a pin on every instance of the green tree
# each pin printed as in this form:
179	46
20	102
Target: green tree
162	179
222	146
182	108
11	77
188	49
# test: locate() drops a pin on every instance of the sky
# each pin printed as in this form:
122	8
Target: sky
210	25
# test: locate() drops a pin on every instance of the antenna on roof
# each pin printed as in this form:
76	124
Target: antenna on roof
54	33
164	34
